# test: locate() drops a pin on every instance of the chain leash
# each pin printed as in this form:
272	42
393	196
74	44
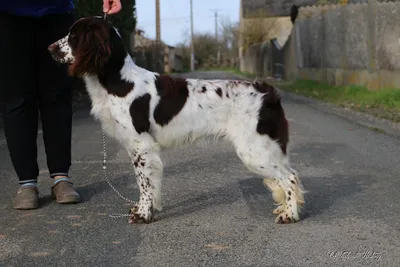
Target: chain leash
114	215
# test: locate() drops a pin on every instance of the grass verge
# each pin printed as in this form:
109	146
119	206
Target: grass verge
231	70
384	103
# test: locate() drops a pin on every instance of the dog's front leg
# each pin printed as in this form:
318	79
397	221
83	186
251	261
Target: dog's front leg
149	171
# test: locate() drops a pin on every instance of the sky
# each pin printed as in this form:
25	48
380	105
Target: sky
175	17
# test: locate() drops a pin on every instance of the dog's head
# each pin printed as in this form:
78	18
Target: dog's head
88	46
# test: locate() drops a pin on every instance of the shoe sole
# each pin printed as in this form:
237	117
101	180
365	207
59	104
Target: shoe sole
26	206
71	200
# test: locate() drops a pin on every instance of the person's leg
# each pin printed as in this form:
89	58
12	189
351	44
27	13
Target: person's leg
55	105
18	94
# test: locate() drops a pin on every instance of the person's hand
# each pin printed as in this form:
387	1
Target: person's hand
111	6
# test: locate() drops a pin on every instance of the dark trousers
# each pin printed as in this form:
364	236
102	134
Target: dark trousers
32	82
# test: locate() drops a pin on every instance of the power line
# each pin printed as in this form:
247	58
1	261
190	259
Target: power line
173	9
171	20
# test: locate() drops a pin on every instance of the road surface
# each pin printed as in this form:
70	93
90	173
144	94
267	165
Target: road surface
216	213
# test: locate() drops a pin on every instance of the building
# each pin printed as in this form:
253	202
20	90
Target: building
145	54
265	27
262	22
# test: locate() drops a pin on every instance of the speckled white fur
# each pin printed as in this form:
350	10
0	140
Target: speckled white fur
66	50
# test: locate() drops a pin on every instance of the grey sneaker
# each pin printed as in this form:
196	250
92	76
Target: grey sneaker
64	193
27	198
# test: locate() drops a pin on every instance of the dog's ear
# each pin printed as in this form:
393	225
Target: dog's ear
93	50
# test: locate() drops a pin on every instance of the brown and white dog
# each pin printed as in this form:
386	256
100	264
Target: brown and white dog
146	111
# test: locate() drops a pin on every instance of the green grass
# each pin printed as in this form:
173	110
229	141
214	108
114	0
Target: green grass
231	70
384	103
238	72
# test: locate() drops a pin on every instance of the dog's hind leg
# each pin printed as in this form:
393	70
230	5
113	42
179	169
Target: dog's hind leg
277	194
149	171
263	156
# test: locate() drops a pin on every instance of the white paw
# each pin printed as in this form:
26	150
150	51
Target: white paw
279	209
287	217
141	214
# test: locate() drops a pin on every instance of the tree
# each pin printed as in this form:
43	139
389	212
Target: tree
229	38
124	21
205	46
208	48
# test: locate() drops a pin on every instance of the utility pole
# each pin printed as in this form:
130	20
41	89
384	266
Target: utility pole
216	25
216	22
158	26
216	34
158	53
192	38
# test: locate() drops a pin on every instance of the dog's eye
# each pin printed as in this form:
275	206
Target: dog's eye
72	35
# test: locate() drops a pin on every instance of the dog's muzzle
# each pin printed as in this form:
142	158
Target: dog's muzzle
56	53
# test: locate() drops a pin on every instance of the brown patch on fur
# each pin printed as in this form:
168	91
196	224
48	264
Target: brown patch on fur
271	117
173	93
99	50
236	83
119	88
139	111
219	92
90	43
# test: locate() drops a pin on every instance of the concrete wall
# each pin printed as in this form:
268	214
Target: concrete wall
275	27
172	61
349	44
252	61
342	44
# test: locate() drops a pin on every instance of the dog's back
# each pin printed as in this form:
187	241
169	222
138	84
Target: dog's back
189	109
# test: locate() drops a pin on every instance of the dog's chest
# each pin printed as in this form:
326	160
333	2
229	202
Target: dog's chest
113	113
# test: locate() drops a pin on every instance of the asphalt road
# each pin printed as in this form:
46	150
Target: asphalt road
216	213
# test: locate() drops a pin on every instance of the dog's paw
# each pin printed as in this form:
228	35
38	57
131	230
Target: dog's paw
279	210
139	216
286	217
